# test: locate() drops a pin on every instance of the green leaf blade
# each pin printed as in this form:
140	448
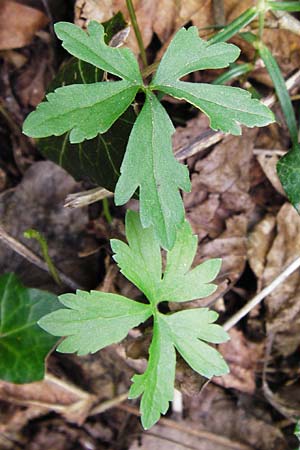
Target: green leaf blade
93	320
288	170
156	384
85	110
149	165
188	329
188	53
140	260
227	107
179	283
23	345
91	47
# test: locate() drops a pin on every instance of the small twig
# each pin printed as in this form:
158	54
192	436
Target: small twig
84	198
112	403
220	440
28	254
262	294
269	152
137	31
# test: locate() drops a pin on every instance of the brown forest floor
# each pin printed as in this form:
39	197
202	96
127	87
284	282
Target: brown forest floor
237	208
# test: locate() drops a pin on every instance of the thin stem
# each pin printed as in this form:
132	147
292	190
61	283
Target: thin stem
106	210
137	31
261	18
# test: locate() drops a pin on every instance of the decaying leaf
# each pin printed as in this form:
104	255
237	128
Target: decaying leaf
219	205
268	164
283	305
243	357
18	24
162	17
259	242
50	394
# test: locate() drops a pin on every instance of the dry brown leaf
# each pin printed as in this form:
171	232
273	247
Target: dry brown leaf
18	24
219	205
241	419
268	164
283	305
162	17
259	242
50	394
242	356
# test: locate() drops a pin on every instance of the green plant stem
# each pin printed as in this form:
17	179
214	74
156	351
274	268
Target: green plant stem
235	26
291	6
137	31
262	8
106	210
234	72
281	91
34	234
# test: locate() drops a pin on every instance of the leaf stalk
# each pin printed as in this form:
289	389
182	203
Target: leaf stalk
137	31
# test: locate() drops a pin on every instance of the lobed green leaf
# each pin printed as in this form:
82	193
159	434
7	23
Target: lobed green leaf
187	53
226	106
91	47
83	109
156	384
149	164
92	321
184	331
140	260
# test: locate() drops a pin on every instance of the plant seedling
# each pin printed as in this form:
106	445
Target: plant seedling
85	110
92	321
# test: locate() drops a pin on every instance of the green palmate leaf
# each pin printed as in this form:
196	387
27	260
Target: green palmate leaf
93	320
185	331
23	345
149	165
187	53
156	385
179	283
97	160
86	110
288	170
91	47
188	330
226	106
140	261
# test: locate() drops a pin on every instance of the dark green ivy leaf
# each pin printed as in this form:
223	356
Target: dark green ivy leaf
288	170
23	344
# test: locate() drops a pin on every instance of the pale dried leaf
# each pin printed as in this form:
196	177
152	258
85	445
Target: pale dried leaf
18	24
242	357
283	305
268	164
259	242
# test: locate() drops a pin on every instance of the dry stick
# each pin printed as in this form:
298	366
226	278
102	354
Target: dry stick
28	254
210	137
220	440
262	294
